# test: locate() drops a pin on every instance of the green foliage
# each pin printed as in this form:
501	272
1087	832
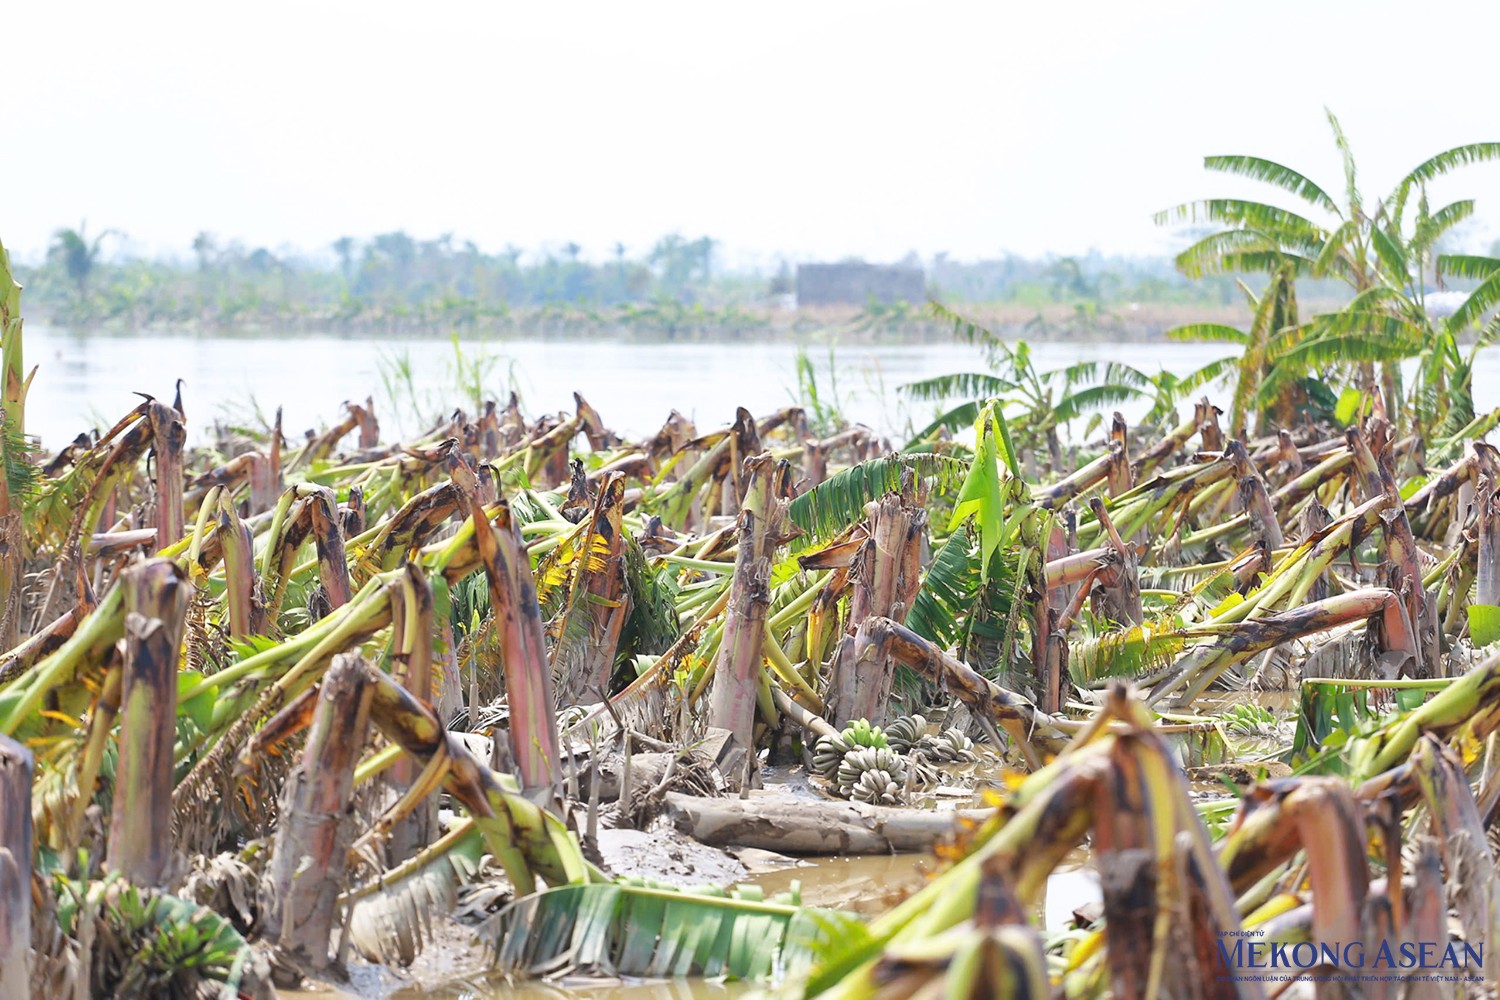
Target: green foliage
954	607
23	479
1209	331
147	943
971	587
823	412
1468	266
948	591
1443	163
1484	623
1274	174
1291	229
1128	652
652	625
636	928
1092	400
1035	405
974	384
839	501
984	496
1384	260
469	604
1480	302
1330	714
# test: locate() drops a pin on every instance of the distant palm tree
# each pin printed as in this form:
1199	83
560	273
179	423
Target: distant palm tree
619	250
205	247
262	261
72	249
344	247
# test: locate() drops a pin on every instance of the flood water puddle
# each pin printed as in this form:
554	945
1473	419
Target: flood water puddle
868	884
872	884
677	989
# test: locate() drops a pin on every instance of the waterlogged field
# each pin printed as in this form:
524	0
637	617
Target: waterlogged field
1116	639
863	884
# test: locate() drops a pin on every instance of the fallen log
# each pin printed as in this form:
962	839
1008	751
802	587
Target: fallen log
777	822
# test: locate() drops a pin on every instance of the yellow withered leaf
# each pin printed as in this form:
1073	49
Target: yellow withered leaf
1233	600
63	717
1469	748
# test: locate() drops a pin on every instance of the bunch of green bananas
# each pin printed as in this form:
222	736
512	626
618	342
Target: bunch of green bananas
904	733
828	753
949	747
886	767
860	733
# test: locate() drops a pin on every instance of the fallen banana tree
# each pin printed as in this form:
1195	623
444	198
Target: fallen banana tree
242	663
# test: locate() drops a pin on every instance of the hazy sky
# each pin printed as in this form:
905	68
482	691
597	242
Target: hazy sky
810	128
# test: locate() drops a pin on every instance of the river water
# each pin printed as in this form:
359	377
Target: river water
89	377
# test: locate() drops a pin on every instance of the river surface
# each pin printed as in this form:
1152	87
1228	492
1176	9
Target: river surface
89	378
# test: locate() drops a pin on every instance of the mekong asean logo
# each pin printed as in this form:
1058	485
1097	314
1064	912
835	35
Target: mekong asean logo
1248	955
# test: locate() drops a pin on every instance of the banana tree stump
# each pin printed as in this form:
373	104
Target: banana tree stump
313	839
16	769
140	841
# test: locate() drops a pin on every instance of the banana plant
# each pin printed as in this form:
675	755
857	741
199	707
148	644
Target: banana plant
1040	405
18	476
1384	257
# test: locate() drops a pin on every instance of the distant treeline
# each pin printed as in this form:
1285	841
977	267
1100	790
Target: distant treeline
396	280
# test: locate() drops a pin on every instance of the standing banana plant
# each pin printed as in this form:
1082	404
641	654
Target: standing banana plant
1385	258
1041	405
16	473
1273	310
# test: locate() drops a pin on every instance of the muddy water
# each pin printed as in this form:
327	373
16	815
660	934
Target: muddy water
867	885
681	989
872	884
580	989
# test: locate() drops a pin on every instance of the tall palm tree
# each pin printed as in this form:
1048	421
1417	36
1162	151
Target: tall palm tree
1383	256
344	248
71	248
204	247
